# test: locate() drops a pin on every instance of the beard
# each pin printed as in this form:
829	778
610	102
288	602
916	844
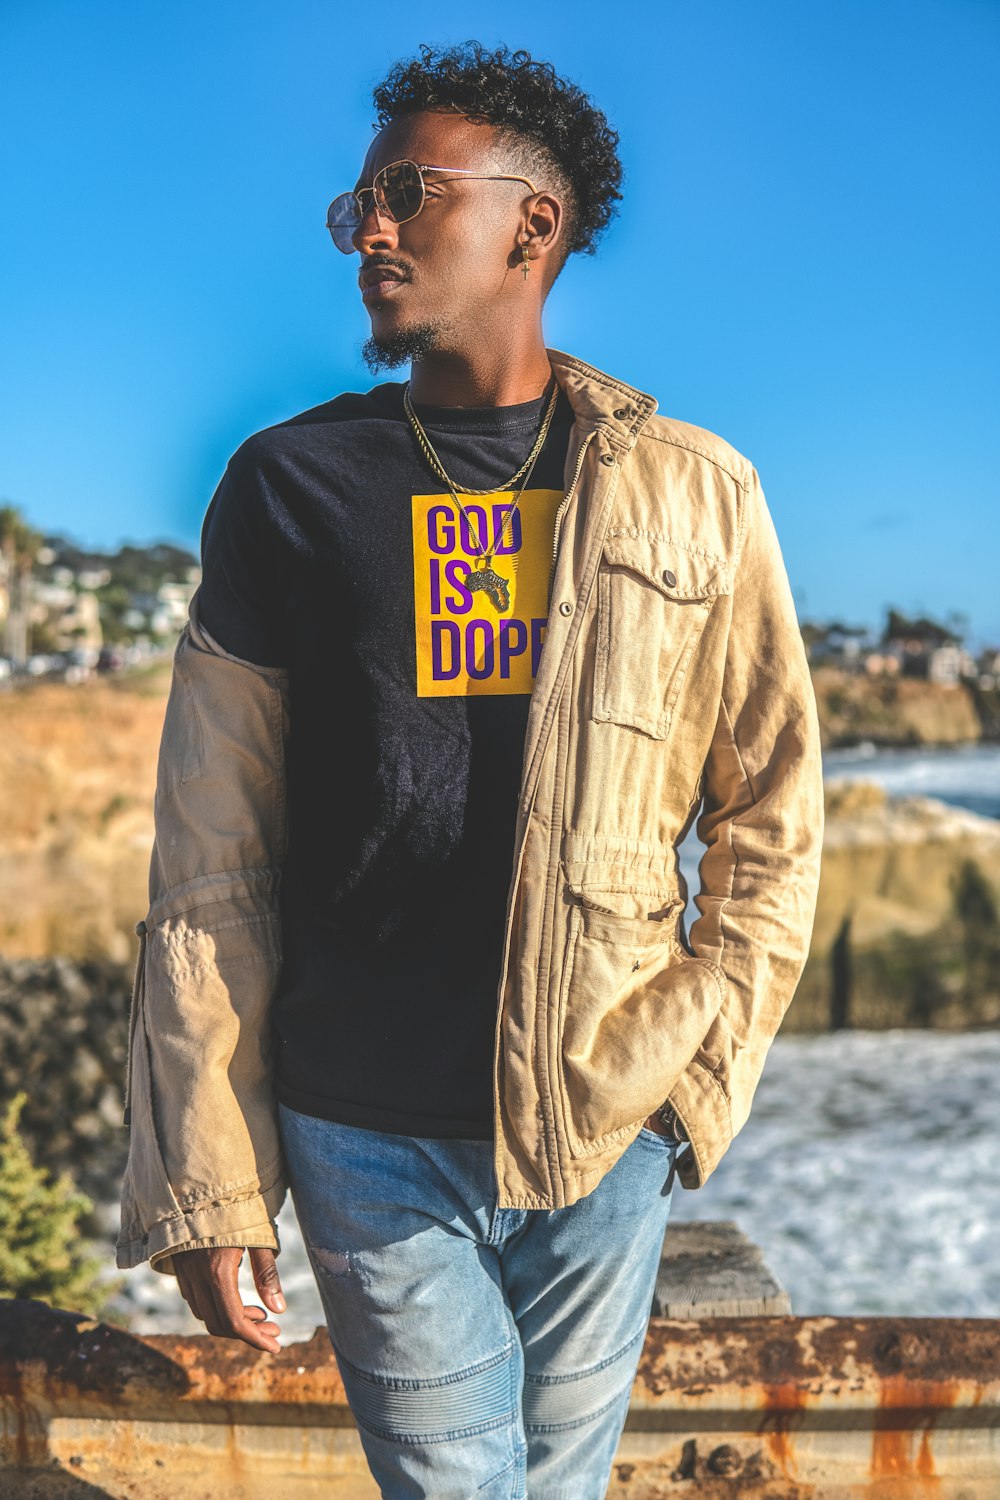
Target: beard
390	350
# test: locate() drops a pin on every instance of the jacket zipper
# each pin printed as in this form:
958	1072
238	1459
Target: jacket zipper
563	507
519	855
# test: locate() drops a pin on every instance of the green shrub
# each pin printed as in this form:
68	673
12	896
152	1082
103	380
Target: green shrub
41	1254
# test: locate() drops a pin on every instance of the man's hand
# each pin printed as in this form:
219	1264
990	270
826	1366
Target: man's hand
209	1284
653	1122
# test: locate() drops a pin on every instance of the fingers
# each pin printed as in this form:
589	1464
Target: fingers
236	1322
209	1282
259	1316
189	1283
265	1277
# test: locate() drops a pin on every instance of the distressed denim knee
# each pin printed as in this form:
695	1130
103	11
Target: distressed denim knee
440	1409
436	1437
558	1403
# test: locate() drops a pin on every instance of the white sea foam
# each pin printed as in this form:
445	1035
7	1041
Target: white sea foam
964	775
869	1173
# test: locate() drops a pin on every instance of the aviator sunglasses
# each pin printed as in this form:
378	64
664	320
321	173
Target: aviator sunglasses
398	192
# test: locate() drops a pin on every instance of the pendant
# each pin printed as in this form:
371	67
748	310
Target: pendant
492	584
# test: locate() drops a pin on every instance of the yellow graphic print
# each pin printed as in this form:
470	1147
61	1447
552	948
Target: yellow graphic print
465	644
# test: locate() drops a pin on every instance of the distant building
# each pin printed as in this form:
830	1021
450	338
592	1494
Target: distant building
881	664
71	620
93	578
59	599
988	664
172	604
838	645
924	648
944	663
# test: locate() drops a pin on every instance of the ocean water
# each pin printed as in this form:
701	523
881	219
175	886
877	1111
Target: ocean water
869	1170
869	1173
962	775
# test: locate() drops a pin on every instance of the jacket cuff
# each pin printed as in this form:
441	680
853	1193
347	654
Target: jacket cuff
703	1110
250	1222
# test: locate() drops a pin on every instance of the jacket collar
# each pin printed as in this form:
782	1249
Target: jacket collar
600	401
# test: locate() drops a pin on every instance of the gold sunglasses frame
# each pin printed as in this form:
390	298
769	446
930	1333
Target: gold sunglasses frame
421	168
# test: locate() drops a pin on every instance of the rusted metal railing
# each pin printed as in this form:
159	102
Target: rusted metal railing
779	1408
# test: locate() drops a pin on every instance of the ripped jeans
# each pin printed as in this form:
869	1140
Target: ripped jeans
485	1352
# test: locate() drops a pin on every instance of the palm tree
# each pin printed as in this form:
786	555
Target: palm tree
19	547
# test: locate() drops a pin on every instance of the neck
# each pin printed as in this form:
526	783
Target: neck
486	377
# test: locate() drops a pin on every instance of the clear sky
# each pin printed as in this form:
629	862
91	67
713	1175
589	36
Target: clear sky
805	261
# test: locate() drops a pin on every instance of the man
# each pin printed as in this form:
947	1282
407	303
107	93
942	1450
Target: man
470	654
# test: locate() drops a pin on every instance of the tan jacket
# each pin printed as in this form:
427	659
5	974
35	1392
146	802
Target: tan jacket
673	671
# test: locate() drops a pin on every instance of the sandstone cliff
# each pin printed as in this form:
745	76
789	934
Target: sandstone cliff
895	918
78	769
77	774
897	710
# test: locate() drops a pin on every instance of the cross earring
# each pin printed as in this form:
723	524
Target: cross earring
524	267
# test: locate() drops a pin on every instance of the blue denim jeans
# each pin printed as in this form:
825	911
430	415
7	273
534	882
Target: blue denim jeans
485	1352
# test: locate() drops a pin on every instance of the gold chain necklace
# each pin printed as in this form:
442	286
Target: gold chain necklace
437	465
485	577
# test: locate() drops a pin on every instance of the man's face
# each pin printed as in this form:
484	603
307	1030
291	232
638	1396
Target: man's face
455	257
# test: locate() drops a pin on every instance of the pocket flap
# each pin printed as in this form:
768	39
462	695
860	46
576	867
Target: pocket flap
659	559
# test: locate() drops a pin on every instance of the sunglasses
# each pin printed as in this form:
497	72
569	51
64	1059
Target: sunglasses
398	194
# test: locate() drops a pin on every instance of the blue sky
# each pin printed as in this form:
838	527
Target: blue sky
805	260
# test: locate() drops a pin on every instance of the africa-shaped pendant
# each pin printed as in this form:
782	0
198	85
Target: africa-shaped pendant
491	583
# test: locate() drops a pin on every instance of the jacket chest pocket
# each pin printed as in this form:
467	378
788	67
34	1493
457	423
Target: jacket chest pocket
653	601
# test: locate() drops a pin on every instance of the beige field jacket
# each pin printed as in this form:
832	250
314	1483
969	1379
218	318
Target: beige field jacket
673	680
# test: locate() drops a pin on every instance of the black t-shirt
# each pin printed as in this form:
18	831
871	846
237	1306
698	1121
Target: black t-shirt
332	548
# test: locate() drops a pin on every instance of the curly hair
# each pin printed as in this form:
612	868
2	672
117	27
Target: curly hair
545	123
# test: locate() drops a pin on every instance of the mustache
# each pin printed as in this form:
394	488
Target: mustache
382	263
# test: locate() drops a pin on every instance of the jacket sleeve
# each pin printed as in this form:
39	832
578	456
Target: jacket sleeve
762	824
204	1164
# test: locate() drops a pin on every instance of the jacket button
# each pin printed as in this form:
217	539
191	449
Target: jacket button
670	579
621	413
607	458
565	608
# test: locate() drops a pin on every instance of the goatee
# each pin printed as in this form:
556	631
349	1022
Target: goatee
388	351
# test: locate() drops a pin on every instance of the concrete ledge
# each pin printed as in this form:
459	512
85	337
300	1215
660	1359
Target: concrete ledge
779	1408
709	1269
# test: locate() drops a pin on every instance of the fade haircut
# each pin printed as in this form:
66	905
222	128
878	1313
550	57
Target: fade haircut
548	128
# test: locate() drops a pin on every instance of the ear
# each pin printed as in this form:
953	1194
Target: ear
542	223
541	226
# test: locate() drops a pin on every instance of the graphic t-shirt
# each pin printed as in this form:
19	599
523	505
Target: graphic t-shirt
332	548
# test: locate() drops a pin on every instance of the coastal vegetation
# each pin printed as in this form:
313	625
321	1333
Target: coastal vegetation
41	1254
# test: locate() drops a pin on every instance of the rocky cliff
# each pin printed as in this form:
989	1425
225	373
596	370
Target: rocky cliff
77	774
906	928
900	710
78	771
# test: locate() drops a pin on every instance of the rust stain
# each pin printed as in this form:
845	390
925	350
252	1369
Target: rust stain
780	1404
891	1454
893	1459
22	1449
913	1392
925	1456
914	1405
780	1448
